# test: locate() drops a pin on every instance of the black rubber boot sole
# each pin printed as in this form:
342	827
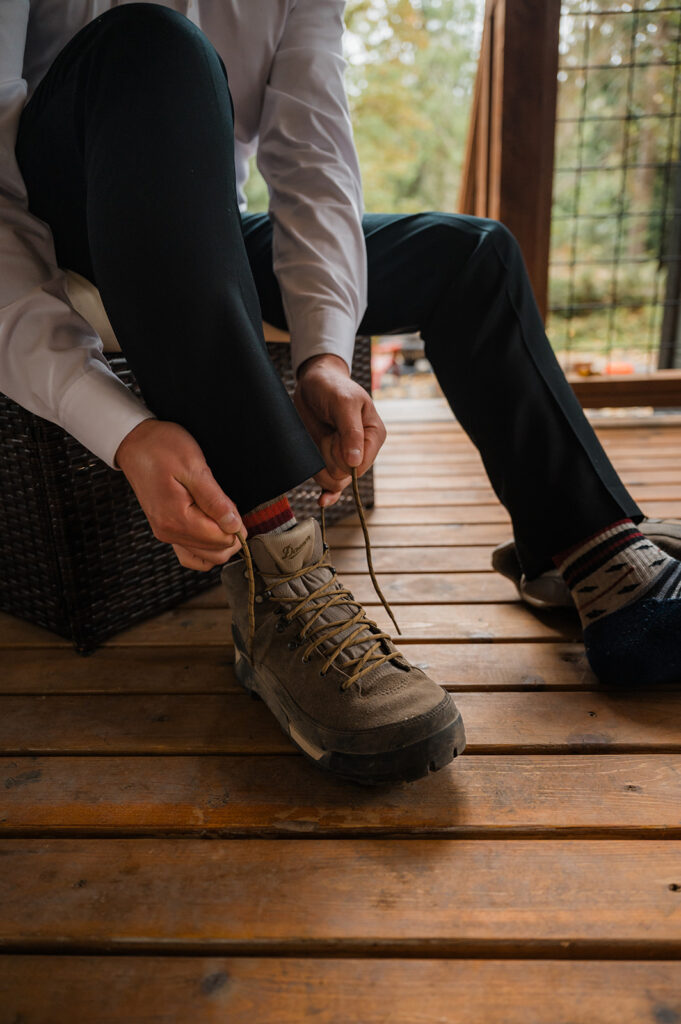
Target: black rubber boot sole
404	764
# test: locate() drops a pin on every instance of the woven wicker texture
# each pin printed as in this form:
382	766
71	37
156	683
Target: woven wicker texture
77	555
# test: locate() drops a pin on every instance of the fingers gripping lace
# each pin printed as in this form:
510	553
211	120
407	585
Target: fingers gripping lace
320	600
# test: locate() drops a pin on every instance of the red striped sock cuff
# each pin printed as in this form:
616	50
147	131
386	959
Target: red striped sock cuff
268	517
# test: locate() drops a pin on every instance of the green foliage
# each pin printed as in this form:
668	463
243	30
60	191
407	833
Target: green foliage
411	68
410	79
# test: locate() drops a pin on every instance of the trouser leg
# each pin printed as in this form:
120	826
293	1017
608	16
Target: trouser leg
461	281
126	148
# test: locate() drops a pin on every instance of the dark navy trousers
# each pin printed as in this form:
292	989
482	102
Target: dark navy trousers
126	148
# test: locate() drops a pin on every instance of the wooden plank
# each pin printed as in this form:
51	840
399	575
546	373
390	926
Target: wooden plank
501	666
651	430
269	990
428	535
458	444
427	497
604	796
510	621
192	670
212	626
621	424
512	127
526	130
449	451
179	670
18	633
420	455
405	588
390	481
661	389
482	622
663	509
639	470
446	452
447	496
411	481
473	174
459	447
371	896
648	425
406	514
233	723
413	459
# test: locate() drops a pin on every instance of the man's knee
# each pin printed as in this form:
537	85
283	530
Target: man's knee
503	241
151	32
488	256
438	230
470	236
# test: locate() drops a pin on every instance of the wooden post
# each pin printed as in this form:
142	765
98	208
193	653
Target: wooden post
508	172
670	339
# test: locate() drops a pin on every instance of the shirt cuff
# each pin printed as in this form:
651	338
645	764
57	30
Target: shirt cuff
326	332
99	410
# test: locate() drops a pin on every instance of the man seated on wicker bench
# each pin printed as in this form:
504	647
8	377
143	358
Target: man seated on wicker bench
130	164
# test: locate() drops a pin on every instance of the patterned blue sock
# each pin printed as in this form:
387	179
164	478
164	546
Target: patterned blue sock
628	595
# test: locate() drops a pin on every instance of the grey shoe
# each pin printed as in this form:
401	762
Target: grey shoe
549	590
336	684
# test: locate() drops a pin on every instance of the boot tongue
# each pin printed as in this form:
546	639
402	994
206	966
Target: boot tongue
284	553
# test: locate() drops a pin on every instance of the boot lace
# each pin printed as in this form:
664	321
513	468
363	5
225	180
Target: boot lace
326	596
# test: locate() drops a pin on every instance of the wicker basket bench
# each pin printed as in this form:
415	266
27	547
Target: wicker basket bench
77	555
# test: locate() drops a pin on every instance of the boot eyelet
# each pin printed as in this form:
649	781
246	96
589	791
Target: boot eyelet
280	626
305	660
293	644
322	673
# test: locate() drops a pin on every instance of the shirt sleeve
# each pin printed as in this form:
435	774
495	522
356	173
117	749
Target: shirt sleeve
51	359
307	156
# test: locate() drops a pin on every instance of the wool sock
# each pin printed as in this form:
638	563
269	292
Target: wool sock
274	516
628	595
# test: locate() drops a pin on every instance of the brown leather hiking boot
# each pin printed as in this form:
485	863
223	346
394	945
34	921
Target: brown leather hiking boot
336	684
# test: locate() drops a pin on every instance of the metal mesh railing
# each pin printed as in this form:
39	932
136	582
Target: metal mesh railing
613	292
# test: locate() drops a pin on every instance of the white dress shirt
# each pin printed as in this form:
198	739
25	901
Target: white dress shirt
285	67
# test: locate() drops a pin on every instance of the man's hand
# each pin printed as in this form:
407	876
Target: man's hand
179	495
342	420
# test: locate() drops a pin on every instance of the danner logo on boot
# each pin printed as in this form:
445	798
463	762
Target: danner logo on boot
290	552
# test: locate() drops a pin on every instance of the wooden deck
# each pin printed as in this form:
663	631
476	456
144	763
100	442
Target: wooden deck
167	856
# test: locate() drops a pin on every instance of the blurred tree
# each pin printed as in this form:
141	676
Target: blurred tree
410	77
411	70
410	82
